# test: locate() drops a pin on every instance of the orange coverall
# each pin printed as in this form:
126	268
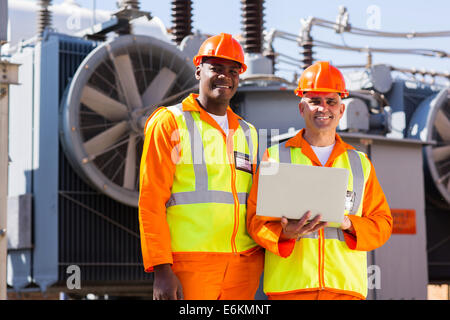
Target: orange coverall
372	229
203	275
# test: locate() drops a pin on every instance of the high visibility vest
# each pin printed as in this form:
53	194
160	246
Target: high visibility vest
322	260
208	205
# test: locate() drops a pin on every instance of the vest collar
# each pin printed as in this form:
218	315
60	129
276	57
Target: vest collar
190	104
298	141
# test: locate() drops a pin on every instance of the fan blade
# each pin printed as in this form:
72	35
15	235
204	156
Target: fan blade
130	164
442	124
441	153
103	105
159	87
102	141
127	80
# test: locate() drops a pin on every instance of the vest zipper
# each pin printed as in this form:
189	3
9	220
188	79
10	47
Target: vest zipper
321	235
321	259
230	150
236	210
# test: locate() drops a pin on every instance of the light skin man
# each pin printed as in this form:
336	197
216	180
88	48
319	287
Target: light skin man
306	259
321	112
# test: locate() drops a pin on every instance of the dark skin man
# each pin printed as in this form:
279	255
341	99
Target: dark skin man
218	82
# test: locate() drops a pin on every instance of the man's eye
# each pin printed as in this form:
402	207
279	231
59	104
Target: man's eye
331	102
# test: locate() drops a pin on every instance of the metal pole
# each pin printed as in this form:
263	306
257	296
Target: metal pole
8	75
3	158
3	185
94	20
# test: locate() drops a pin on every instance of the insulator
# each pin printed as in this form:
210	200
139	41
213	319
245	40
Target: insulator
44	17
307	45
129	4
271	56
252	25
126	29
181	19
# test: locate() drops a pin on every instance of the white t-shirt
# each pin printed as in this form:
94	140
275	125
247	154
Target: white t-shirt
323	153
222	121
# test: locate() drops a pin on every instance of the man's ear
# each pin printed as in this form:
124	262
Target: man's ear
197	72
301	105
342	110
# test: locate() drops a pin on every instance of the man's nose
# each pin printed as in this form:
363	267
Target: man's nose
321	106
224	74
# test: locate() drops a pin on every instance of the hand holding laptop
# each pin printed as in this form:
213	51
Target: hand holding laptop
295	229
347	225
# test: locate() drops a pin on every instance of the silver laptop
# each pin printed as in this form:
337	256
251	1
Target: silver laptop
290	190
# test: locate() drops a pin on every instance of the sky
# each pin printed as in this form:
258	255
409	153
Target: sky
214	16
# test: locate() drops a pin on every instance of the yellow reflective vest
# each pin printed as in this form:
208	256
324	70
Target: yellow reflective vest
207	207
322	260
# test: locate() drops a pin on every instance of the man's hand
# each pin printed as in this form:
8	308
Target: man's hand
347	225
295	229
166	285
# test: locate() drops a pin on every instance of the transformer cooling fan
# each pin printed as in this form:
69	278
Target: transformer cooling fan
431	122
107	103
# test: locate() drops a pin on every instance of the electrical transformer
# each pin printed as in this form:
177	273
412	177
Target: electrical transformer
76	146
76	135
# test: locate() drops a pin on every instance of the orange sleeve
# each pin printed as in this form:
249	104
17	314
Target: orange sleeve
160	153
265	231
374	227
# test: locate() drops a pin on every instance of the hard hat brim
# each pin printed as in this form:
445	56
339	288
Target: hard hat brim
198	59
299	92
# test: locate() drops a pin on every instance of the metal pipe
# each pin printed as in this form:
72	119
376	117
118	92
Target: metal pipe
3	23
8	75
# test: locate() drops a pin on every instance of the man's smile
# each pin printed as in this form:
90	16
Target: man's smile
323	117
222	86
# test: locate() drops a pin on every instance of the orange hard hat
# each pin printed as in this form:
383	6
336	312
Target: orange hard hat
221	46
321	77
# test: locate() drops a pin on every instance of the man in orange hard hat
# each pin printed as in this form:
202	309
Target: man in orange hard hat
196	173
310	260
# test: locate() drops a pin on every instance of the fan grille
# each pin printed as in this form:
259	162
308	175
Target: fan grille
116	87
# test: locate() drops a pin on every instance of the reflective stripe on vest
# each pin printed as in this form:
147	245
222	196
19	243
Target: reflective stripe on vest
248	135
201	193
206	211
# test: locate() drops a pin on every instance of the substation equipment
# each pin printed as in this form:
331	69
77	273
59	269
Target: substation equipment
76	135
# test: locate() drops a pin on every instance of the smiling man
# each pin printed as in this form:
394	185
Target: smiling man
309	260
196	172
